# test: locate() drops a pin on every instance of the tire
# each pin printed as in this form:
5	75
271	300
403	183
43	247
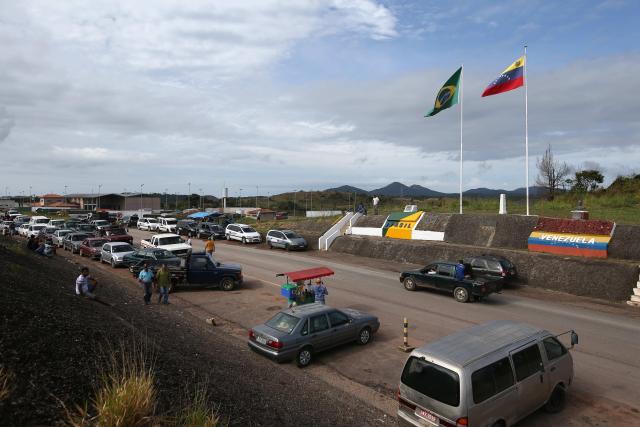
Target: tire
227	284
80	253
556	401
113	263
409	284
270	245
198	236
304	357
244	241
227	237
287	248
364	336
498	424
461	294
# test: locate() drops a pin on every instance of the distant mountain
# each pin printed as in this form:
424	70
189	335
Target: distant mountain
518	192
347	189
398	189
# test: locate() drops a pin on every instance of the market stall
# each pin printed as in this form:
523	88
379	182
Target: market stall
297	288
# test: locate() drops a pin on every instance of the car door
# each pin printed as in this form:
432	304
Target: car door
532	383
320	334
479	266
445	277
197	272
341	327
427	276
559	365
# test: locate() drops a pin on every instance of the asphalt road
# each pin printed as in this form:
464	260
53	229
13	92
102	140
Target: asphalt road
606	360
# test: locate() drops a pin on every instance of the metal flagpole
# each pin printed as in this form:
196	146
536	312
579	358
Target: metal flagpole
526	126
461	84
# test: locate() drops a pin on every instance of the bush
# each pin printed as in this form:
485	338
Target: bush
6	383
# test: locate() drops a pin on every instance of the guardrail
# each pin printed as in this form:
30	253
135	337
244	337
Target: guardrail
325	241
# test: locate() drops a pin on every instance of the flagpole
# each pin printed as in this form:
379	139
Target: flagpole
526	126
461	96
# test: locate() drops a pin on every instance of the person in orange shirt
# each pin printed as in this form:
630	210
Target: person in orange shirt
210	248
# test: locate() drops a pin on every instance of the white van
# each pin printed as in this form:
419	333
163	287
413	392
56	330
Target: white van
490	375
243	233
150	224
168	225
39	220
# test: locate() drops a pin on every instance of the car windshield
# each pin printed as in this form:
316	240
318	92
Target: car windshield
122	248
291	234
51	230
96	243
248	230
174	240
170	221
117	232
38	227
85	227
283	322
152	220
42	221
434	381
63	232
101	222
78	237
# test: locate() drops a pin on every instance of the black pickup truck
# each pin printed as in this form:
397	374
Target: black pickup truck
440	276
198	271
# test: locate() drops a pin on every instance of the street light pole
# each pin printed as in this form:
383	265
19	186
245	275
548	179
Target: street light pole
166	205
201	205
295	193
99	189
141	185
256	197
240	197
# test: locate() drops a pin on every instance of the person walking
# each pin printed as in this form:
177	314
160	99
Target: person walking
210	248
146	279
319	291
85	284
163	279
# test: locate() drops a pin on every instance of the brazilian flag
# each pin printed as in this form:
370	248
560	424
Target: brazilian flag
448	95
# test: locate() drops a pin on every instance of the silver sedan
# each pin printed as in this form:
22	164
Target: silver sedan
301	332
58	236
114	252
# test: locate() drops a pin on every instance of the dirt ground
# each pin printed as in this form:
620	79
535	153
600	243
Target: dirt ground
52	341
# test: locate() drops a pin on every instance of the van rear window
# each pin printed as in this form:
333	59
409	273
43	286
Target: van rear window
434	381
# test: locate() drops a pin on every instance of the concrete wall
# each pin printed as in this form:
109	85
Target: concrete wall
606	279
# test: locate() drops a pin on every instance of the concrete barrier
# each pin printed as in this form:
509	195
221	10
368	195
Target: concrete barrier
605	279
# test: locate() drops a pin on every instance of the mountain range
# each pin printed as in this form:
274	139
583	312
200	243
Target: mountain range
398	189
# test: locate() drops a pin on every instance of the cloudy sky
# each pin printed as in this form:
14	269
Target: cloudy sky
307	94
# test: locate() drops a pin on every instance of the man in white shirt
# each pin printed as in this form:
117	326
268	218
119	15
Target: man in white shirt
85	284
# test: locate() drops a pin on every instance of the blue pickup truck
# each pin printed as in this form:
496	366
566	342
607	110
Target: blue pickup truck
199	271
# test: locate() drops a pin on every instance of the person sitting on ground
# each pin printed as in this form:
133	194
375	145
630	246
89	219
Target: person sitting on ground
85	284
41	247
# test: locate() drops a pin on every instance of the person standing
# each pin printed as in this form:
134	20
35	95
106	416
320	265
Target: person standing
375	201
319	292
85	284
459	273
210	248
163	279
146	279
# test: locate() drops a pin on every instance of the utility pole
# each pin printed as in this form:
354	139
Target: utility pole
201	205
256	197
99	189
240	197
141	185
311	201
166	204
295	192
189	197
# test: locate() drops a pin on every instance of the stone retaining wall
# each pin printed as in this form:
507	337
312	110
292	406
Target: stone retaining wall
604	279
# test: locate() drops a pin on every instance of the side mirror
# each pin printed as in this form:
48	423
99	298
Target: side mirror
574	338
217	264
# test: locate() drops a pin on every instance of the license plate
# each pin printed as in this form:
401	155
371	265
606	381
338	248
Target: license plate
426	415
261	340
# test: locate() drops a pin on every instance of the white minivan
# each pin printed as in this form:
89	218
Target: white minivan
490	375
167	225
242	233
39	220
150	224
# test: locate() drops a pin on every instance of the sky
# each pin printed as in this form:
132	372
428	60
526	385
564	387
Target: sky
271	96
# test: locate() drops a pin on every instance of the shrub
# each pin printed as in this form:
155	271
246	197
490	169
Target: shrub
6	383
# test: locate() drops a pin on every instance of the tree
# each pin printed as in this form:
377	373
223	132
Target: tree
587	180
551	173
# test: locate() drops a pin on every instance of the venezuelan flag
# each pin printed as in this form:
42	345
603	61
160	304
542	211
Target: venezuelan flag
511	78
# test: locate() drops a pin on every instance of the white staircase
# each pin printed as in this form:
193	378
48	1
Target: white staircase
635	298
338	229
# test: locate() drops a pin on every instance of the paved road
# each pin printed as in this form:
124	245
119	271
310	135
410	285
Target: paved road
607	365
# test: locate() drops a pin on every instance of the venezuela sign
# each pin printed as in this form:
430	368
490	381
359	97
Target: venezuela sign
571	237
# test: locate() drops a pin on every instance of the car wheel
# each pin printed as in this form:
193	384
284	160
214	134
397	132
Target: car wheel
304	357
409	284
364	336
227	284
80	253
556	401
498	424
270	245
287	247
199	236
113	263
244	241
226	236
461	294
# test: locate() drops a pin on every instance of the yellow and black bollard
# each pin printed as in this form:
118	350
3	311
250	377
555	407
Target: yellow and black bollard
405	337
